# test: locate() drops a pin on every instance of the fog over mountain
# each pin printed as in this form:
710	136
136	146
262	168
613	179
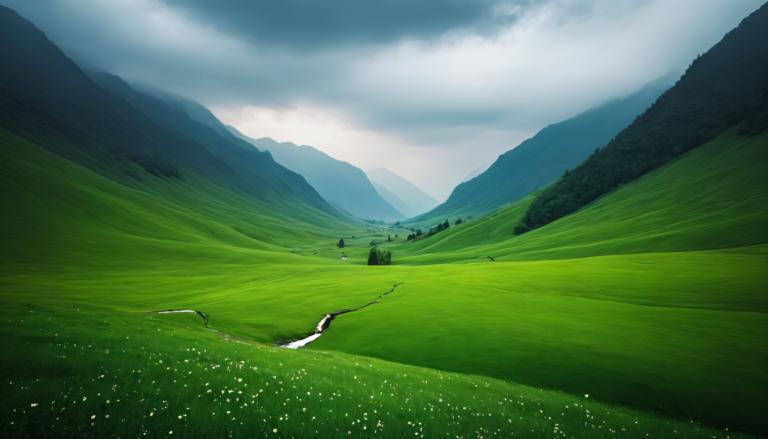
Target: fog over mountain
431	90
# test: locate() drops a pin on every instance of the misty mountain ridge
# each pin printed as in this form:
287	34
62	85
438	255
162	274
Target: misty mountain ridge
339	182
544	157
405	195
726	88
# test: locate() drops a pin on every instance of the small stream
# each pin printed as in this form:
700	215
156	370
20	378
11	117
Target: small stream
325	322
320	328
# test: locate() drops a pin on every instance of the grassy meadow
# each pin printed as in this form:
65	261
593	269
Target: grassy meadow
641	316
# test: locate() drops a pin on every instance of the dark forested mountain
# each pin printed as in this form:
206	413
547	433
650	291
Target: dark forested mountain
45	97
726	88
544	157
339	182
412	200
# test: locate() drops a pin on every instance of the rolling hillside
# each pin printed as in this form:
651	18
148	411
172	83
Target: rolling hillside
725	87
46	98
670	209
339	182
682	247
544	157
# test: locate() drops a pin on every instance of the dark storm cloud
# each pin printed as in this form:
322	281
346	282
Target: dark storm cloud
372	81
309	24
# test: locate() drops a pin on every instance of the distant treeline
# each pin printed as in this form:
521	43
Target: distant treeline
445	225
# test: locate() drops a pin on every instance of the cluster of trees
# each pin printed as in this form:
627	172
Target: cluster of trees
413	235
725	88
379	257
445	225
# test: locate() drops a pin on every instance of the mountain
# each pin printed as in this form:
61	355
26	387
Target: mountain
544	157
724	89
125	135
667	210
339	182
414	201
474	173
391	198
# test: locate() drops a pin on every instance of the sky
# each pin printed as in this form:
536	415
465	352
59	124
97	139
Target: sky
431	89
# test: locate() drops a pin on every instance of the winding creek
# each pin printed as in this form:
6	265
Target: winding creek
320	328
325	322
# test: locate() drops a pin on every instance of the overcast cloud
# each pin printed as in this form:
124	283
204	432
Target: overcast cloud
430	89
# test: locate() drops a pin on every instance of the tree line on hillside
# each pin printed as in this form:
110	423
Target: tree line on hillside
724	89
445	225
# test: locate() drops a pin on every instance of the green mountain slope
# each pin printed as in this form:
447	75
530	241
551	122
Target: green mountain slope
339	182
725	87
414	200
60	214
45	97
544	157
713	197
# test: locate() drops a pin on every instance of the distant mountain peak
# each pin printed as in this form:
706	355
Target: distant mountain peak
412	199
339	182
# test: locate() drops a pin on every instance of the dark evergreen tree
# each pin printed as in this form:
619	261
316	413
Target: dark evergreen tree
341	243
373	256
379	257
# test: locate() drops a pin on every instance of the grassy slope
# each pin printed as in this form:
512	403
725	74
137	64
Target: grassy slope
82	371
55	208
623	322
492	228
713	198
653	331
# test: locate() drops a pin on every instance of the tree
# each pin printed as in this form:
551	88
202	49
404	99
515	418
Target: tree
458	221
341	243
379	257
373	256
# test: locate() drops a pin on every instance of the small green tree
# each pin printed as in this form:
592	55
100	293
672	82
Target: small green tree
341	243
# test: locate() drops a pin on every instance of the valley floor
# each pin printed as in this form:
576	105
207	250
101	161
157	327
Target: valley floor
567	337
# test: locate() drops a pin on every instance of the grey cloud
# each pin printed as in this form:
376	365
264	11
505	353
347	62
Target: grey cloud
311	24
470	76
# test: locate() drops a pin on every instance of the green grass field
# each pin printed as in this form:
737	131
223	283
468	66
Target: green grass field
652	301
